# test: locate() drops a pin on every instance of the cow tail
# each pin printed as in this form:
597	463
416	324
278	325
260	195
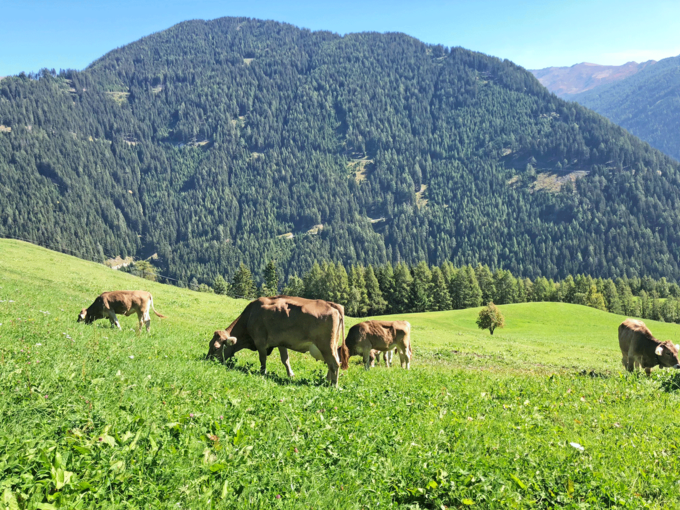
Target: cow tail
154	311
344	350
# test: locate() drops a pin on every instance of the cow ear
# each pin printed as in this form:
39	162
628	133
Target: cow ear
659	350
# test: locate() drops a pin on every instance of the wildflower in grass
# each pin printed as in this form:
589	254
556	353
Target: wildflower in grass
132	356
296	450
191	415
221	417
278	496
38	344
46	396
577	446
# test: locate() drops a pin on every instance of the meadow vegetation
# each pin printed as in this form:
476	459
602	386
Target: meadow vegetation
538	416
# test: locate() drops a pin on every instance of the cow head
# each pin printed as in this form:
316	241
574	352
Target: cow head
667	353
222	346
87	316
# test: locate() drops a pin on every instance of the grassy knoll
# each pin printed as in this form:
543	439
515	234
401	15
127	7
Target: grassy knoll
91	417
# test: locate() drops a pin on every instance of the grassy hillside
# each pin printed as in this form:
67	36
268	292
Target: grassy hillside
94	417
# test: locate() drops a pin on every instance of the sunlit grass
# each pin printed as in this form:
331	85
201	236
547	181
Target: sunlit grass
91	417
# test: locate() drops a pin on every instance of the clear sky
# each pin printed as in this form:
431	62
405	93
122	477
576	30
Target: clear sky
533	33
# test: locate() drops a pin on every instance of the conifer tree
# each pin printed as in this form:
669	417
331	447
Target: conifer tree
486	283
338	284
625	297
611	297
506	287
242	285
655	312
567	290
313	282
271	278
594	299
643	301
459	290
385	278
668	309
402	288
357	304
441	299
419	299
294	287
376	302
220	285
475	293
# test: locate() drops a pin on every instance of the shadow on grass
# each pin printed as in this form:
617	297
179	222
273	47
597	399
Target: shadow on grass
670	380
248	368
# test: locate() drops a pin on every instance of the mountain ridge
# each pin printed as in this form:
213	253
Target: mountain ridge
566	82
647	104
210	142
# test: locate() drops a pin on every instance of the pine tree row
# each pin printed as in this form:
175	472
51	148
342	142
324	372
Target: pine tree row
387	289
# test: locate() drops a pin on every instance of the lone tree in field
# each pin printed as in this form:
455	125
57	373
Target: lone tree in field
490	318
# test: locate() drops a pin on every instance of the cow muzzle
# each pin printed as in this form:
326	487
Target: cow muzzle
230	341
677	367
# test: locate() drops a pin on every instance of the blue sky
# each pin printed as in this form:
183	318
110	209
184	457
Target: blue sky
533	33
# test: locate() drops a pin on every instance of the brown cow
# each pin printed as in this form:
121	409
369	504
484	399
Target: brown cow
640	348
387	357
303	325
125	302
377	336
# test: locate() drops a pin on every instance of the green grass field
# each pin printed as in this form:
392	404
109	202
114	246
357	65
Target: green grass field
91	417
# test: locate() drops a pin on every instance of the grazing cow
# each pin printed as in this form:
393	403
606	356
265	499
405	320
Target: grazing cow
387	357
640	348
125	302
303	325
365	337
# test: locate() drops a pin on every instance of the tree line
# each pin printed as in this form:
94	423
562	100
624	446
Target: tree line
387	289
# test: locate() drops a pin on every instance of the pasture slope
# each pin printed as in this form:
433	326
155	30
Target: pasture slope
91	417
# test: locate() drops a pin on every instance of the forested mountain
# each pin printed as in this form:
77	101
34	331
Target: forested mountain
238	140
647	104
565	82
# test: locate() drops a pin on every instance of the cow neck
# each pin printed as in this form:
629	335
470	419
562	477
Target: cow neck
231	326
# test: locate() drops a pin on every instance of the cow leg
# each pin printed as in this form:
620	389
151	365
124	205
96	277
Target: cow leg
368	362
404	358
388	358
286	361
329	357
375	358
147	321
263	361
113	319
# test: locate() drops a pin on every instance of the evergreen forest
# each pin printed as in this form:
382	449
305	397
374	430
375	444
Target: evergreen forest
399	289
216	144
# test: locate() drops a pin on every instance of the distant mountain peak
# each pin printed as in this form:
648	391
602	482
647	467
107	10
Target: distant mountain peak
568	81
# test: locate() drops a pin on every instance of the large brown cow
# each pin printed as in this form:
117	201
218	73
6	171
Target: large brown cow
284	322
640	348
125	302
377	336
